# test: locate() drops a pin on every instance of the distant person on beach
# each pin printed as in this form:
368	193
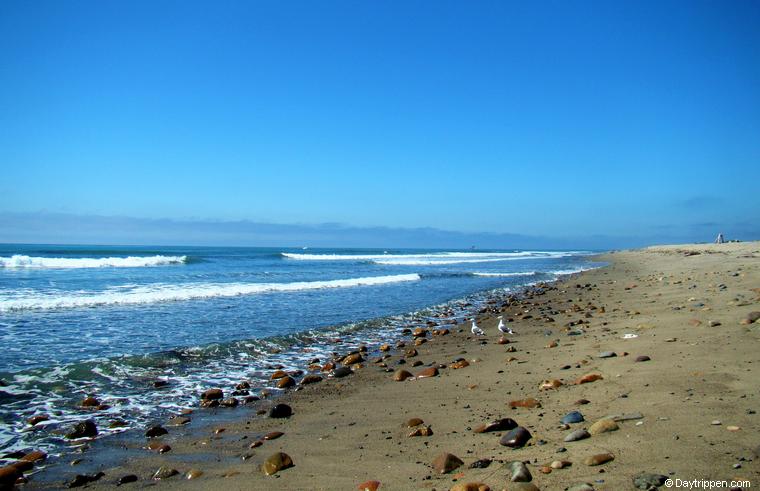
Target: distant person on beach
719	239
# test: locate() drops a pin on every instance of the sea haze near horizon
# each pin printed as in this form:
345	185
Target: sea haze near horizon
110	320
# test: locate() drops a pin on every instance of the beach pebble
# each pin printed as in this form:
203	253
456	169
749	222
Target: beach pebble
603	426
516	437
471	486
503	424
591	377
581	487
286	382
90	401
83	429
560	464
276	462
352	359
280	411
126	479
84	479
369	486
428	372
713	323
572	417
528	403
341	372
311	379
716	422
459	364
480	464
550	384
401	375
581	402
155	431
733	428
164	472
212	394
278	374
411	423
273	435
519	472
648	481
642	358
446	462
423	431
39	418
750	318
580	434
607	354
598	459
178	421
193	474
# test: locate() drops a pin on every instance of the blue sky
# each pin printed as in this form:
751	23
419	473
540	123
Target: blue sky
637	120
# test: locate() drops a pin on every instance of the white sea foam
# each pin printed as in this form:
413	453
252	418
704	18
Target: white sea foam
526	273
190	291
431	259
21	261
571	271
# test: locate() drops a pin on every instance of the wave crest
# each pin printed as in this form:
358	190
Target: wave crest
22	261
167	293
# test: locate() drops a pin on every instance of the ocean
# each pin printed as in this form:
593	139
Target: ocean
112	321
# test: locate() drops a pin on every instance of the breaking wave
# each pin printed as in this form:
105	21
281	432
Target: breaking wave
430	259
190	291
21	261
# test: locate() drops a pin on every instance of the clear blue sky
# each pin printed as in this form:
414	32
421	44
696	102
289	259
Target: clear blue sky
637	119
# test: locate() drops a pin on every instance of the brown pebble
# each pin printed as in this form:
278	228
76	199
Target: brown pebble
642	358
278	375
528	403
276	462
369	486
459	364
446	462
603	426
286	382
193	474
401	375
591	377
414	422
551	384
598	459
428	372
273	435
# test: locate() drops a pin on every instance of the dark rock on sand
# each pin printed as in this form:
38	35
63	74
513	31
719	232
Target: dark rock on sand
446	462
519	472
572	417
480	464
126	479
341	372
84	479
280	411
276	462
642	358
498	425
311	379
155	431
516	438
648	481
84	429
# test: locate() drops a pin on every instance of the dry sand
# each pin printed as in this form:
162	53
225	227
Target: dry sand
350	430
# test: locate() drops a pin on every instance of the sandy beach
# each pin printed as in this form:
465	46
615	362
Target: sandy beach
657	352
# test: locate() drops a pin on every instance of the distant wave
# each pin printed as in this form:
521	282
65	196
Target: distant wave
21	261
571	271
527	273
431	259
166	293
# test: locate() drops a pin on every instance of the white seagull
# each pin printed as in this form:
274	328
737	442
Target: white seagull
504	329
476	330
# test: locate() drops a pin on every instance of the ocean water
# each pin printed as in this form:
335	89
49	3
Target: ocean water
110	321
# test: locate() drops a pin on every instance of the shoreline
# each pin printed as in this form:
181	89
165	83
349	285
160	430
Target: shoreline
349	430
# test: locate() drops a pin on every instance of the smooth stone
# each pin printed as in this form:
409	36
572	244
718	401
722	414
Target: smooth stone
369	486
503	424
84	479
581	487
519	472
37	419
212	394
572	417
273	435
470	486
126	479
648	481
459	364
423	431
581	402
342	372
155	431
591	377
411	423
165	472
311	379
352	359
286	382
551	384
625	416
276	462
527	403
446	462
560	464
193	474
401	375
576	435
480	464
603	426
280	411
607	354
83	429
516	437
428	372
642	358
598	459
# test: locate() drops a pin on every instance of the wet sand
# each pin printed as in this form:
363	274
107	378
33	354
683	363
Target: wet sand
698	394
